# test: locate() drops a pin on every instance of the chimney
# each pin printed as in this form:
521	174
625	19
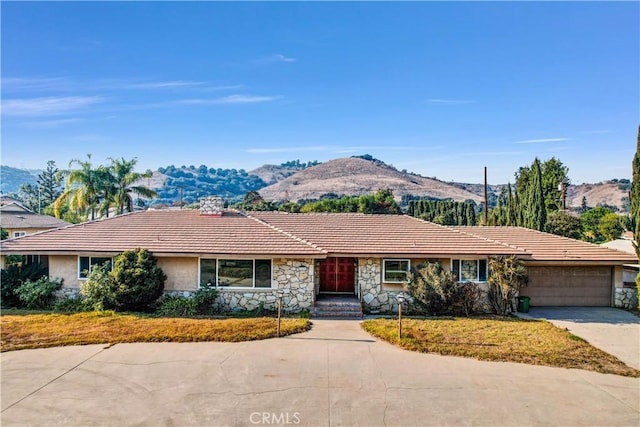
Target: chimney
211	206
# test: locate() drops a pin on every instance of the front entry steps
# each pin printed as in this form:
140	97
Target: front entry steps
337	307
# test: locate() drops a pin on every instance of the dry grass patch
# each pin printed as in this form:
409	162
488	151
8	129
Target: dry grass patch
499	339
21	331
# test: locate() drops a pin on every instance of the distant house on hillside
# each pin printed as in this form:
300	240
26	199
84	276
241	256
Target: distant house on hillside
19	221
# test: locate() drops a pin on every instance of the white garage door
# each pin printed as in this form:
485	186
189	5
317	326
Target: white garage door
569	286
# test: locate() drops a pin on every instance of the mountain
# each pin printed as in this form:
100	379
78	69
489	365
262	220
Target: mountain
348	176
609	193
12	178
356	176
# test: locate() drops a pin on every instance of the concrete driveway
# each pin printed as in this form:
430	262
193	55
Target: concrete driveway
334	375
615	331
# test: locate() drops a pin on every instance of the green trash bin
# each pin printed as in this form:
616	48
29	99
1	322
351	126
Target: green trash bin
523	304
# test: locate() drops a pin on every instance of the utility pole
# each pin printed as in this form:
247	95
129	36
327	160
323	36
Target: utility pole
486	203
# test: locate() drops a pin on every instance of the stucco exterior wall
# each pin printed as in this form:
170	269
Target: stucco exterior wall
65	267
182	273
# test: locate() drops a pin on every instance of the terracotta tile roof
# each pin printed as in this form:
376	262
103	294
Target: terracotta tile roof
167	232
183	232
26	219
360	234
548	247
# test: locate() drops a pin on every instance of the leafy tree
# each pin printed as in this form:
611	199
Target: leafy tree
610	226
49	181
4	234
122	180
83	189
28	195
554	175
564	224
507	276
590	221
583	205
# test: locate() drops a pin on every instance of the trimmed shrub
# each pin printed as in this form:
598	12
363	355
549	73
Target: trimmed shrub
176	306
435	291
432	288
200	304
138	281
204	299
98	290
135	283
71	305
38	294
12	277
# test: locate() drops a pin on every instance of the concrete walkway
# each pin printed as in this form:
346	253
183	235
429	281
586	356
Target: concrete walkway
615	331
336	374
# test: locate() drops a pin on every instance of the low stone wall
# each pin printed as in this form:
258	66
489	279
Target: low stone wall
626	298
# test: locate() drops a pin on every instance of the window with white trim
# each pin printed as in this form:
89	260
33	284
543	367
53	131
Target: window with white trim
86	263
469	270
19	233
395	270
236	273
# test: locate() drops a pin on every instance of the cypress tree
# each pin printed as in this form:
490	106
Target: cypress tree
536	215
635	203
511	209
634	196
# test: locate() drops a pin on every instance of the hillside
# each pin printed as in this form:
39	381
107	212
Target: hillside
612	193
12	178
357	176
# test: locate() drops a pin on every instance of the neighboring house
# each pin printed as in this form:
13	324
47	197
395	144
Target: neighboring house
252	256
630	271
20	221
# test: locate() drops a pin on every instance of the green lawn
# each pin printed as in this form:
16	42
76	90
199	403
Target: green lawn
499	339
28	330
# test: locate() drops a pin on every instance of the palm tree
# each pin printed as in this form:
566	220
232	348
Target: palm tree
82	189
123	179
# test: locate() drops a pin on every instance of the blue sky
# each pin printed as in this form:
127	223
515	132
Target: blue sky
441	89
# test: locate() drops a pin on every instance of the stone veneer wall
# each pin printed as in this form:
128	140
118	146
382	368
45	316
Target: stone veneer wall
294	277
374	298
626	298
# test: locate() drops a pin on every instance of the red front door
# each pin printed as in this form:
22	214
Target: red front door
337	275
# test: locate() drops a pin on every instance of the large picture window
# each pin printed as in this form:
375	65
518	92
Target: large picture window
236	273
395	270
469	270
86	263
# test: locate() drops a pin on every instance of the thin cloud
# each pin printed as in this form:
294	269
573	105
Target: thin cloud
50	124
33	83
165	84
596	132
275	58
541	140
48	106
231	99
438	101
